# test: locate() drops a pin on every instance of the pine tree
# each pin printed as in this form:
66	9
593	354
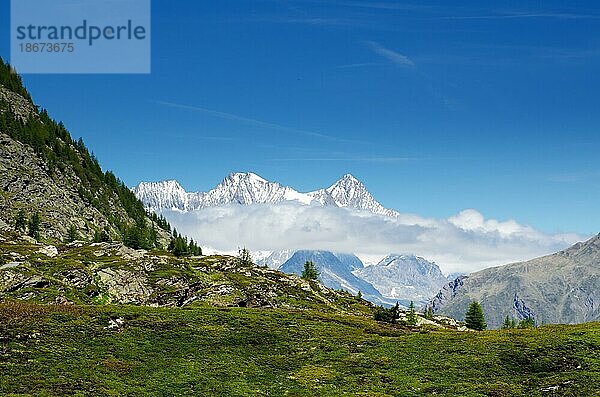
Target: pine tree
411	317
475	318
244	258
509	323
387	315
310	271
528	322
180	247
21	221
34	225
429	313
359	295
72	234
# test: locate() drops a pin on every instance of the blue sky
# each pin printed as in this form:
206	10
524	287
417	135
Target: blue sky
435	107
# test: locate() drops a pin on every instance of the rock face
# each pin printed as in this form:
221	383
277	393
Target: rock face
335	273
26	182
42	181
249	188
560	288
404	278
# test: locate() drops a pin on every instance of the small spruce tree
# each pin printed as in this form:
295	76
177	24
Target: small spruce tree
21	221
411	317
509	323
429	313
72	234
475	318
244	257
34	225
528	322
310	271
359	295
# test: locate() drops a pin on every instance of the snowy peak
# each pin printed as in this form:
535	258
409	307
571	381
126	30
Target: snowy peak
349	192
165	195
246	188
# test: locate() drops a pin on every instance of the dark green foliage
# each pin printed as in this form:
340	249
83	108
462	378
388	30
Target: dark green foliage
310	271
526	323
53	143
160	221
411	316
179	246
244	258
359	295
509	323
34	225
21	221
387	315
474	317
429	313
137	237
101	236
194	248
12	81
72	234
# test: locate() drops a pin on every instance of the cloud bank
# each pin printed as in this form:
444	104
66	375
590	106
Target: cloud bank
465	242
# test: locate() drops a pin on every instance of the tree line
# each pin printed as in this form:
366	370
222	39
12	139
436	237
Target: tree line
52	142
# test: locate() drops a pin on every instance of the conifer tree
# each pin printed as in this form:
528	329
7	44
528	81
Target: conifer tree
310	271
429	313
244	258
34	225
528	322
509	323
475	318
72	234
411	317
21	221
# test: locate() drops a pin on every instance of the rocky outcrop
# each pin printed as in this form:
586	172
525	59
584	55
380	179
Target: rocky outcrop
103	273
558	288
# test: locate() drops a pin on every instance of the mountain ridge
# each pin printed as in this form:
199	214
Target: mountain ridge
249	188
557	288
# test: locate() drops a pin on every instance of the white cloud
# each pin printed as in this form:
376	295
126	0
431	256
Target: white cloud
465	242
393	56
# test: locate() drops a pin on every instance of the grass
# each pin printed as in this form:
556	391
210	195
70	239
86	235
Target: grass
50	350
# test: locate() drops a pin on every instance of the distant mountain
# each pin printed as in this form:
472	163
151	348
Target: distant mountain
334	272
560	288
404	278
249	188
349	192
272	259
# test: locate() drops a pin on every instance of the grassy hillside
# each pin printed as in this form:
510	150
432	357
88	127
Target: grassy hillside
73	350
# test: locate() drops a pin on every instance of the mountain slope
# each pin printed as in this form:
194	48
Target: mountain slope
44	170
249	188
404	277
560	288
334	273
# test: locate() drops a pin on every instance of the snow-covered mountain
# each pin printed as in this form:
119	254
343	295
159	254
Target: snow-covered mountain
272	259
404	277
349	192
248	188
